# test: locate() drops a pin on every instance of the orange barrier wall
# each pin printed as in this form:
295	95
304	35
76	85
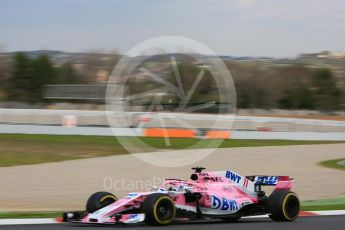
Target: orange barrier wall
218	134
159	132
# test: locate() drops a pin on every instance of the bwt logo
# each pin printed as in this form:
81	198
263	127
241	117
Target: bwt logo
233	176
225	204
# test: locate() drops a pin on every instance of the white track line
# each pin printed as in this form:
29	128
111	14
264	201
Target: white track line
28	221
56	220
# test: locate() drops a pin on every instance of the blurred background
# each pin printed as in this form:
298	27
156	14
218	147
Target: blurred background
46	79
47	87
287	61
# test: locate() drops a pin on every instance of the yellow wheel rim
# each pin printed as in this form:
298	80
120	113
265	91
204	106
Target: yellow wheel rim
155	211
107	197
284	205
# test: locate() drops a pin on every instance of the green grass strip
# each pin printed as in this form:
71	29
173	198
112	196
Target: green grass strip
25	149
324	204
335	163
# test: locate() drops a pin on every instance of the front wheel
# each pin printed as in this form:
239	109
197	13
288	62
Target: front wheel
99	200
283	205
159	209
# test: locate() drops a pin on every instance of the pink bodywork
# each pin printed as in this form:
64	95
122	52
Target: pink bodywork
222	193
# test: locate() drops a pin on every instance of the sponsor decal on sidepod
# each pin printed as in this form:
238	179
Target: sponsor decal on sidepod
223	204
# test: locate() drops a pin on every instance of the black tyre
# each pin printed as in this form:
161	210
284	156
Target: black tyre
283	205
159	209
99	200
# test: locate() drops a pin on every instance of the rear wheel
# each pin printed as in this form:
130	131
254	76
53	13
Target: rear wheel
99	200
283	205
159	209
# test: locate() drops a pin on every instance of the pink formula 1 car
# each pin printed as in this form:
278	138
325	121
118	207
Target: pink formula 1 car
223	195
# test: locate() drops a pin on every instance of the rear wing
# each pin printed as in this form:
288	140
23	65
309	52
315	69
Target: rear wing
254	183
280	182
268	180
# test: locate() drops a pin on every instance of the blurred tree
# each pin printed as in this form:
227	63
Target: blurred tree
305	98
259	85
287	101
66	74
4	75
3	70
42	73
327	94
20	81
300	97
253	86
29	77
204	90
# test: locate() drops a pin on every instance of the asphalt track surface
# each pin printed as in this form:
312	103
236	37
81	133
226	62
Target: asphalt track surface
302	223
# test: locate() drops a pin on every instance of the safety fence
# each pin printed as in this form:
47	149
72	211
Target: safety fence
196	122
